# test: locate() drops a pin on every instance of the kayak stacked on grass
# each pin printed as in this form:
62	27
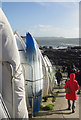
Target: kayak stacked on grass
50	74
22	52
46	78
35	73
28	68
21	47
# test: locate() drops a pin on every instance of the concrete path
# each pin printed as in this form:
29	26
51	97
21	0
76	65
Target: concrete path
60	107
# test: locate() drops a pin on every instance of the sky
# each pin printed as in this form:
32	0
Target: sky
0	4
44	19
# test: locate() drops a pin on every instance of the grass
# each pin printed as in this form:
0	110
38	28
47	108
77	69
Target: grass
46	107
61	83
49	106
41	106
54	98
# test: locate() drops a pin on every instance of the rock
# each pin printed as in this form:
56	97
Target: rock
64	56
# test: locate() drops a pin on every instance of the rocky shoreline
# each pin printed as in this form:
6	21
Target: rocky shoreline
64	56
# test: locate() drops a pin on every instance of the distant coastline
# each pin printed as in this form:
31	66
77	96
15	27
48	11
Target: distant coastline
56	41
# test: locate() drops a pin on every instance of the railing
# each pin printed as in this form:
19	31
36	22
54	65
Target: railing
24	72
12	84
24	67
3	106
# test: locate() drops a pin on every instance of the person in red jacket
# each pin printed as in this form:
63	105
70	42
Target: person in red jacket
72	95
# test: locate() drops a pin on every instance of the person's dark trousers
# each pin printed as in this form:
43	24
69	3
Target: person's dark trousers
58	81
69	104
73	104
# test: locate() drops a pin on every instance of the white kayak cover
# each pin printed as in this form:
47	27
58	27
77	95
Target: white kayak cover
50	71
13	90
46	78
22	52
21	47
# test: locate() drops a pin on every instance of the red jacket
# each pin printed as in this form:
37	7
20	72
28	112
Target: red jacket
73	86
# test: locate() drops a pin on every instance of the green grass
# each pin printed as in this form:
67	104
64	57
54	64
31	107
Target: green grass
61	83
54	99
41	106
47	107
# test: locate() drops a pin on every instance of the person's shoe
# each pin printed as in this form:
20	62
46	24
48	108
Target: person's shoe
73	111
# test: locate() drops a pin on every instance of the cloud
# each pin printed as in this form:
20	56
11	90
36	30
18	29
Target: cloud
44	4
51	31
44	27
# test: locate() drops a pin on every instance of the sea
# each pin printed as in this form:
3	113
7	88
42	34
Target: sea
56	42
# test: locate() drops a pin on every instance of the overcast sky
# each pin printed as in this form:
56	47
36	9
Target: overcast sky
58	19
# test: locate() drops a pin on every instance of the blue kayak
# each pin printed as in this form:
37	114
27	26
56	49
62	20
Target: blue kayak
35	73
